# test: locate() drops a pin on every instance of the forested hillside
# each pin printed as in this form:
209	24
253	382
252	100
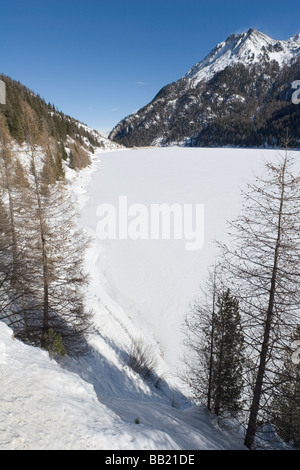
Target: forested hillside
42	279
71	140
41	250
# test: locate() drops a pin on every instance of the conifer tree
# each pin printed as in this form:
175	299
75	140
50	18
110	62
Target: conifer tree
262	266
227	370
57	278
13	268
215	339
7	175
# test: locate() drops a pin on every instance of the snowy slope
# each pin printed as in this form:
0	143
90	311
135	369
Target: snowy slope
138	289
103	142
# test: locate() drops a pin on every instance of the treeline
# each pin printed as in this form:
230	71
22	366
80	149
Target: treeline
64	130
42	280
243	332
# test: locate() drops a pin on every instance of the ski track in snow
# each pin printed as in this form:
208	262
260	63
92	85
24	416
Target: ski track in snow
137	289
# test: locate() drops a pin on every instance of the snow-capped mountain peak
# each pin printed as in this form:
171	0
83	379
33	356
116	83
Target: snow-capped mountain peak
296	38
248	75
247	48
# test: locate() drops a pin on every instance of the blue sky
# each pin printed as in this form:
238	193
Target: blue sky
100	60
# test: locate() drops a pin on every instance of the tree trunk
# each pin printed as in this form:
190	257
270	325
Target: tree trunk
252	423
45	327
211	352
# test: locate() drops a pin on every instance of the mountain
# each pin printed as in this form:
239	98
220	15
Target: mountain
238	95
246	48
70	136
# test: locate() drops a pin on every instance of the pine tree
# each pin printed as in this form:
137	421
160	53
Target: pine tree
215	339
7	176
263	266
13	268
56	278
227	376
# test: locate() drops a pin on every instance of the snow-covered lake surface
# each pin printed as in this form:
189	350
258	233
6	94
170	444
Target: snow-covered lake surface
138	289
155	280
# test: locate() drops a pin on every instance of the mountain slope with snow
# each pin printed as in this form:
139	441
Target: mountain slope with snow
67	134
238	95
246	48
45	407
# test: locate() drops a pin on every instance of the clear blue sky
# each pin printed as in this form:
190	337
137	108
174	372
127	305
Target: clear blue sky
100	60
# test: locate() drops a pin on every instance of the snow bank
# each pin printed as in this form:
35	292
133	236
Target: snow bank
46	407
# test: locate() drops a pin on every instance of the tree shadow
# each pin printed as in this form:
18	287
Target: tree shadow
113	378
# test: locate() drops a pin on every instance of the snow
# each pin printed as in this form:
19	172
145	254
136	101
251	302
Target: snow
154	280
138	289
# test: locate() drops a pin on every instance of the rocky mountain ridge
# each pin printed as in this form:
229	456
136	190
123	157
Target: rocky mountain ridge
238	95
